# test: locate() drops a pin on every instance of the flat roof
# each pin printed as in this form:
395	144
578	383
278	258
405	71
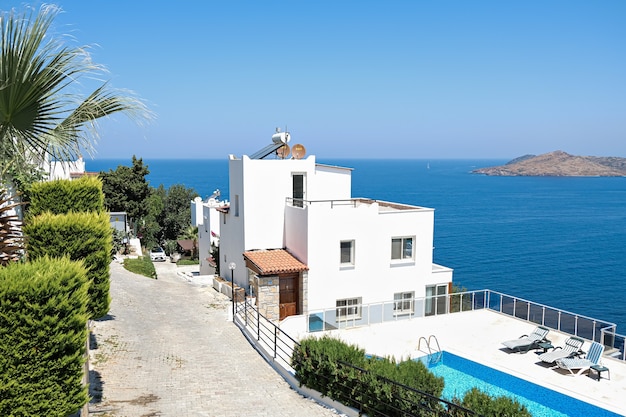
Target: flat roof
478	335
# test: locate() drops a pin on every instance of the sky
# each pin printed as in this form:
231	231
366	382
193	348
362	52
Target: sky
360	79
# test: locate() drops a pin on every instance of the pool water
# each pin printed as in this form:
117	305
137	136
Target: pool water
461	375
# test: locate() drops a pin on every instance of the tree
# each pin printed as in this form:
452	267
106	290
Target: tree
126	189
176	215
150	230
42	115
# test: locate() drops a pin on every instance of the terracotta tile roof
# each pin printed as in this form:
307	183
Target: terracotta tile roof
274	261
186	244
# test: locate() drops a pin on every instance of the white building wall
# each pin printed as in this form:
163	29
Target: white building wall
207	217
258	190
259	217
330	183
61	170
374	276
232	238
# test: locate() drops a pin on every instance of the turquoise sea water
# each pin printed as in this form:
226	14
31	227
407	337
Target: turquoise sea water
556	241
460	375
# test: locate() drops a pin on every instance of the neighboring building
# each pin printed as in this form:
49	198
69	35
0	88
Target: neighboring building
301	243
205	215
65	170
119	221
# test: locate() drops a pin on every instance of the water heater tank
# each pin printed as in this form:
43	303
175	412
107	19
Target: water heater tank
281	137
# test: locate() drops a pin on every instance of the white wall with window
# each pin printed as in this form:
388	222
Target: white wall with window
346	253
262	187
374	248
353	246
348	308
404	303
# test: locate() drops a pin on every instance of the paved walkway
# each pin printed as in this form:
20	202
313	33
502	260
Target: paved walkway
167	349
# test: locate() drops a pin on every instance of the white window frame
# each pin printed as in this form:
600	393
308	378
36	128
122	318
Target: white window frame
403	256
348	309
351	261
404	303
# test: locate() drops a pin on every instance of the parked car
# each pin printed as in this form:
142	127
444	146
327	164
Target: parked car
157	254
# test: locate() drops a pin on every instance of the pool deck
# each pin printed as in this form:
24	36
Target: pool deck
478	336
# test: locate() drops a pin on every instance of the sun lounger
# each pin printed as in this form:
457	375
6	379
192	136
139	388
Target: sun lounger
572	347
527	342
581	365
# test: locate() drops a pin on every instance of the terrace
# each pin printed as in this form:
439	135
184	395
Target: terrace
477	335
474	327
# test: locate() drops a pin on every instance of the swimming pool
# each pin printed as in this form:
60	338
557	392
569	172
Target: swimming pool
461	374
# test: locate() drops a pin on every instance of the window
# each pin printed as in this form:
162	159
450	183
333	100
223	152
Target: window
298	190
403	302
236	205
348	309
402	248
347	252
436	299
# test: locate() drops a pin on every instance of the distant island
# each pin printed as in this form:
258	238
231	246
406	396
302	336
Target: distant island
559	164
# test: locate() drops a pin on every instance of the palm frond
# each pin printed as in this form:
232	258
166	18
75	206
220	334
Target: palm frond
40	112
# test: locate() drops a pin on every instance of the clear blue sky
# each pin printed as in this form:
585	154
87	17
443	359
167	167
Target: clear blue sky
399	79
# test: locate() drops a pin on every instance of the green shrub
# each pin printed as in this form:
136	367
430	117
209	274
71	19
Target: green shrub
43	335
317	363
81	236
183	262
141	265
64	196
319	357
489	406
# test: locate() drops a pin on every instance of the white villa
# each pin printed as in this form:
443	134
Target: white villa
299	242
205	215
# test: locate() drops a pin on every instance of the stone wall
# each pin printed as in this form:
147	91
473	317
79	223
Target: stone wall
267	290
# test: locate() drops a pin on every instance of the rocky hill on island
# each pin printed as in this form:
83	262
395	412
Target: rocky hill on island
559	164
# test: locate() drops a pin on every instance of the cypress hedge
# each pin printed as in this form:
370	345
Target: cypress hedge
63	196
81	236
43	335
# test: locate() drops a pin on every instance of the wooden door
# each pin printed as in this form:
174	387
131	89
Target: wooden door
288	296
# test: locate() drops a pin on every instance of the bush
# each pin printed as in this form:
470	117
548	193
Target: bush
142	266
489	406
64	196
368	383
316	363
81	236
43	336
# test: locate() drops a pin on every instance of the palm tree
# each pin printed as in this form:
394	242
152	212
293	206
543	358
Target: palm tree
42	115
11	238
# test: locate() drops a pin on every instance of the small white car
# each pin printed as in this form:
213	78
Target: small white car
157	254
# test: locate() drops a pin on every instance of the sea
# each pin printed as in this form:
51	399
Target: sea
558	241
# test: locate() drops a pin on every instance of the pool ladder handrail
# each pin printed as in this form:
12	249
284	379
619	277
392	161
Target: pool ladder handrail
431	358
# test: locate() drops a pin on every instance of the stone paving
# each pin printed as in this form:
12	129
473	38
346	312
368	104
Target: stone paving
167	349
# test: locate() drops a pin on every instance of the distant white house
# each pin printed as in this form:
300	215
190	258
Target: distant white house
64	170
205	215
299	241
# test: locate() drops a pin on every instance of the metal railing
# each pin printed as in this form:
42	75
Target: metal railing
554	318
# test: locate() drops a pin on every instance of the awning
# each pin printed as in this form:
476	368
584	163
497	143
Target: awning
273	261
